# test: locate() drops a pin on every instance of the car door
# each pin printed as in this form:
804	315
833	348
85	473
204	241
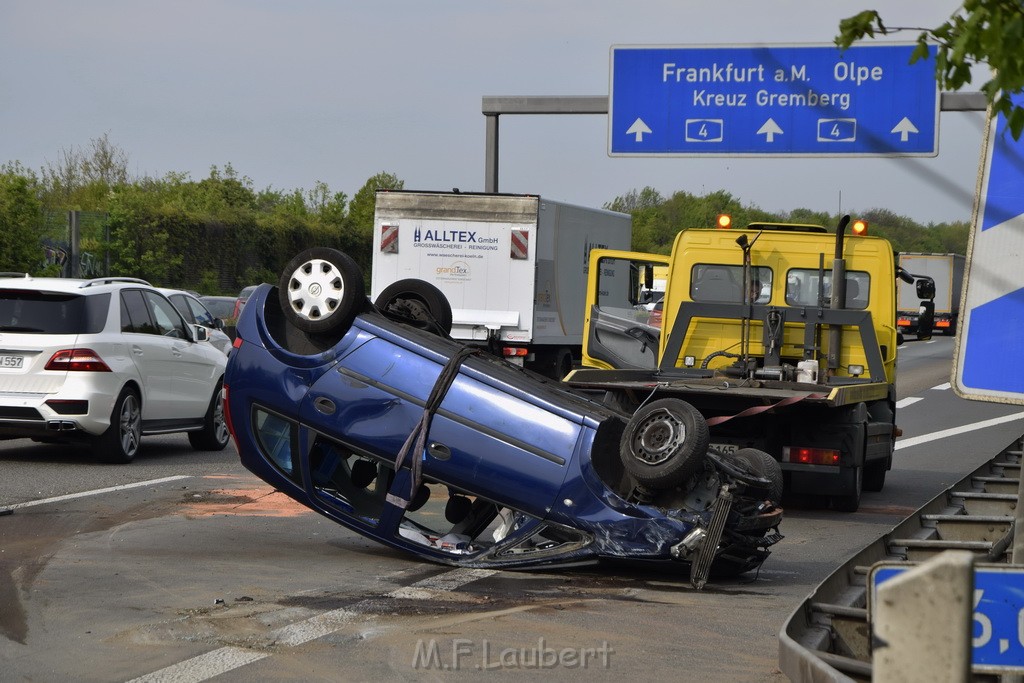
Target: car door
193	366
151	354
623	323
484	439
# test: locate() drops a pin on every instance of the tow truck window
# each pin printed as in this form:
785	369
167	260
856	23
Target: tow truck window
802	288
717	283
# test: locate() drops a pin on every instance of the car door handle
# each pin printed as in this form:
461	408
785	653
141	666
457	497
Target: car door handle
176	351
439	451
324	405
137	350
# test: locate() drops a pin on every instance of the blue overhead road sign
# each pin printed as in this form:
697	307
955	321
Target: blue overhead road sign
991	335
781	100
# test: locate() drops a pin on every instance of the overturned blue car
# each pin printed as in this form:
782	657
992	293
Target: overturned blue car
370	414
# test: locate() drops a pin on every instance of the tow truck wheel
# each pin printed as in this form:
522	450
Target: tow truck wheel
664	443
418	301
850	501
874	475
321	290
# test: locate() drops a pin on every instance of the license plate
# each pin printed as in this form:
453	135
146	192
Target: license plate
12	361
725	448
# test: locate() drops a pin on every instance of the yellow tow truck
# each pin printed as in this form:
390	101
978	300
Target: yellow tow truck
776	339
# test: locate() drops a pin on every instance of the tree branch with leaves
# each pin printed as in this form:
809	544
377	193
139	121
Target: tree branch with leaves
979	32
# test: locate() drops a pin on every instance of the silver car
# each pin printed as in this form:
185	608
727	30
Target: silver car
102	362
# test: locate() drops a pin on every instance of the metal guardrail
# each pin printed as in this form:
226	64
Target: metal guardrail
828	638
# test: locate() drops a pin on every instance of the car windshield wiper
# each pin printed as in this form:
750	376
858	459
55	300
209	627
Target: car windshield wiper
19	328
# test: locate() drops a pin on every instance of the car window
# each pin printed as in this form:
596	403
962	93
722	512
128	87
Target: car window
221	308
805	285
169	322
713	282
180	302
134	313
52	312
198	312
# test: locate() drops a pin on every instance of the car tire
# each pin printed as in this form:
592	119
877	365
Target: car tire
664	443
120	442
321	290
419	301
765	466
214	435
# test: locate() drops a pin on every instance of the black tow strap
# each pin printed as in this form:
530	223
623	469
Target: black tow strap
417	439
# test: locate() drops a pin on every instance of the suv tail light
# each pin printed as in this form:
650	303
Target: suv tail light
67	360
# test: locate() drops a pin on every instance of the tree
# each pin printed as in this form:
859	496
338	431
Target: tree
979	32
19	218
83	178
358	234
636	200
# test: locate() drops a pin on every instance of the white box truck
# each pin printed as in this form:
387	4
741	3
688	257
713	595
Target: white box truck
947	270
512	266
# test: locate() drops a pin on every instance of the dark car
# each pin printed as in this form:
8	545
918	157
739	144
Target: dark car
370	414
222	307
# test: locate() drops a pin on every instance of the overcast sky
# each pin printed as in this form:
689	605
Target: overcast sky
291	92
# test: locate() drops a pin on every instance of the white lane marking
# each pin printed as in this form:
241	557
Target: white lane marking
206	666
96	492
203	667
917	440
909	401
943	387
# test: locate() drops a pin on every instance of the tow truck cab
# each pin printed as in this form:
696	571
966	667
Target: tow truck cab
751	333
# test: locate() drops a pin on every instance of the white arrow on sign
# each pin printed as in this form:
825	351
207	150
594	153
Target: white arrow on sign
770	129
639	128
904	128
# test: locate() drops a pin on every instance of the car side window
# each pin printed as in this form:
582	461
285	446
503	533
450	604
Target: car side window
180	302
169	322
134	313
199	312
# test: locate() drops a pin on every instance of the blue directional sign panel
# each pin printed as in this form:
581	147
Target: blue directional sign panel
992	313
997	625
772	100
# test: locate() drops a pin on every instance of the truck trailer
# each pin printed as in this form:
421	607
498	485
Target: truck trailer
947	271
513	266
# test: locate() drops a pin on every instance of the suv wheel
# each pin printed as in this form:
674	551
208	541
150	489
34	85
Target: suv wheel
214	435
120	442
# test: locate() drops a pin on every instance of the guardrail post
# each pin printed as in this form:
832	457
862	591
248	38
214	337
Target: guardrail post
921	622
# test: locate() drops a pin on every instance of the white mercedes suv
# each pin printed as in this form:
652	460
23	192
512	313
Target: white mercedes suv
102	362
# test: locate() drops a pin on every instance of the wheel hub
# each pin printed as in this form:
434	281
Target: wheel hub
316	289
657	438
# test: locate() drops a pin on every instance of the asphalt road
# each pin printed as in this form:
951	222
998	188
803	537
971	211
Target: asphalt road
184	567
